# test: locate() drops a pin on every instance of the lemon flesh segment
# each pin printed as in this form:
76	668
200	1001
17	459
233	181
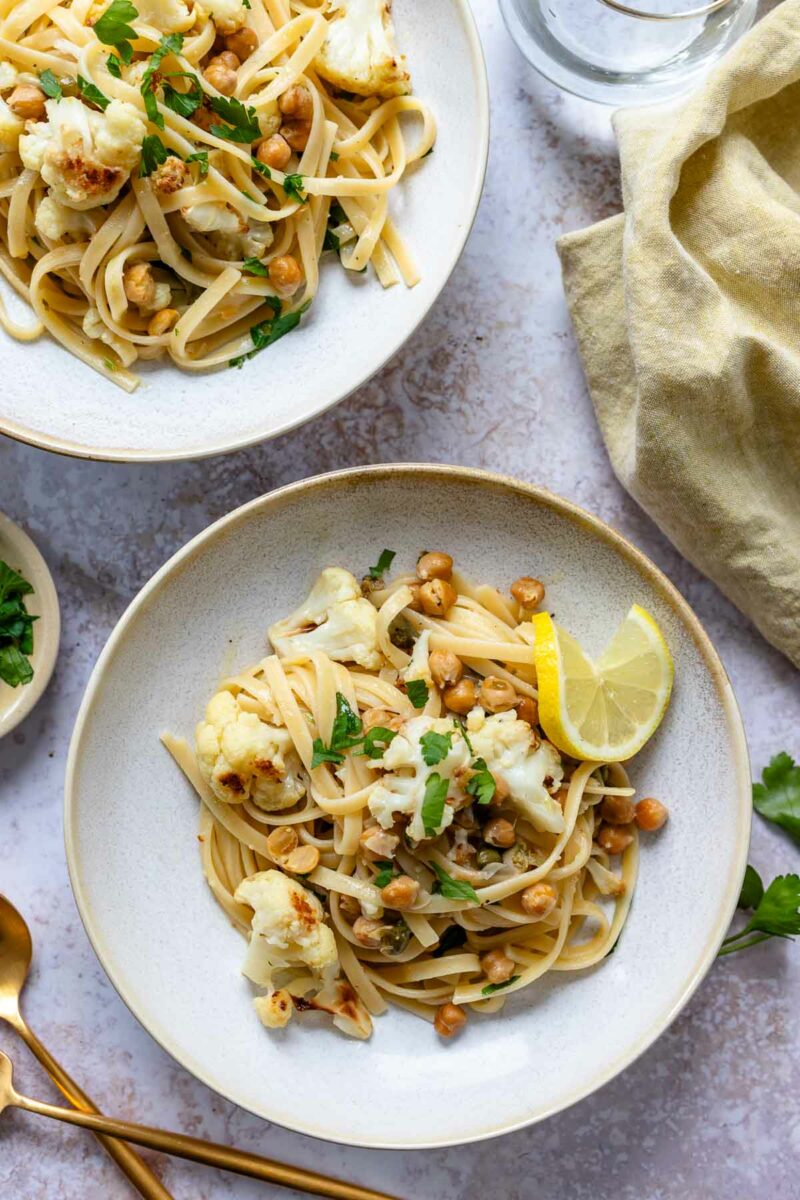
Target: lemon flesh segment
603	711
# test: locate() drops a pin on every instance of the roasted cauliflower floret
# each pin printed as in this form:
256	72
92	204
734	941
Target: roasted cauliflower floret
213	217
529	767
336	619
55	221
359	54
11	126
228	15
402	789
288	932
275	1009
168	16
230	235
170	176
242	757
84	156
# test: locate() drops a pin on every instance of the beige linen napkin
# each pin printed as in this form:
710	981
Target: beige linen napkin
686	309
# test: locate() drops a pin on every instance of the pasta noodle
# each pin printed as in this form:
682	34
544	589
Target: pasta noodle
450	853
169	191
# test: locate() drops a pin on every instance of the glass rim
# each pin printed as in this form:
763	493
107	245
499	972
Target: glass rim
701	10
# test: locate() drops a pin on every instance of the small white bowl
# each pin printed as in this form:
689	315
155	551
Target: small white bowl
17	549
131	818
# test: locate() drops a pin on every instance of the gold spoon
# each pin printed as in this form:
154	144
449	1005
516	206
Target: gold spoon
186	1147
15	959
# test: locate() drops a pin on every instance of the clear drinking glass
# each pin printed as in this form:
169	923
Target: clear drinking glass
626	51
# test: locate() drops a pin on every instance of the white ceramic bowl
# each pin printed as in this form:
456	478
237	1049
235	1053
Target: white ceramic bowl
50	399
131	818
17	549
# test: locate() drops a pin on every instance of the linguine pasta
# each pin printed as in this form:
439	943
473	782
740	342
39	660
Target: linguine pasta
172	171
384	819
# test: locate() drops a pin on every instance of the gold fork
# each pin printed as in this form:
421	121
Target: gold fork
16	950
187	1147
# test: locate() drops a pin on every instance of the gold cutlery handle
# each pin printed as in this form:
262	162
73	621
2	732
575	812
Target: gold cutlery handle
124	1156
201	1151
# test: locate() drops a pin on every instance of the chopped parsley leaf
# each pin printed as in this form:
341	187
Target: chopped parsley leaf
331	242
491	988
293	186
92	93
385	874
346	732
433	803
113	28
50	85
417	692
172	43
114	66
435	747
267	332
242	121
376	741
262	168
482	785
452	889
185	104
154	153
201	158
385	560
254	266
334	156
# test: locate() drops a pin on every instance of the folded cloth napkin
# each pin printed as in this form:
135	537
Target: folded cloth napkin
686	308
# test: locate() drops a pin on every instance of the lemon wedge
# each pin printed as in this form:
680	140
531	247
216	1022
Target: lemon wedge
603	711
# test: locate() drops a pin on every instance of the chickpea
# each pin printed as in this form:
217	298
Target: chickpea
139	284
501	790
449	1019
296	134
381	718
497	695
282	841
400	893
163	321
368	932
539	900
528	710
242	43
415	604
461	698
617	810
499	832
651	814
274	151
497	966
445	667
27	101
527	591
296	103
227	58
285	274
303	860
434	565
221	77
614	838
437	596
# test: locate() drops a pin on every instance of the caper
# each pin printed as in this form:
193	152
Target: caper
395	938
486	856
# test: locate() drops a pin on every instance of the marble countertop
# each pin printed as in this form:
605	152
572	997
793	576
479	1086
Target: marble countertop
493	380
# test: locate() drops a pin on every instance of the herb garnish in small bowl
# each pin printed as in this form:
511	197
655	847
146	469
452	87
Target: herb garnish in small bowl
16	628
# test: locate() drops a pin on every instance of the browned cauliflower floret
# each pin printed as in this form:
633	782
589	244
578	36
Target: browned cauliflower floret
241	757
359	54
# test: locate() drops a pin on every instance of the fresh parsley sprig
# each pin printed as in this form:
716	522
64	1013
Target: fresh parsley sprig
417	691
171	43
154	153
50	85
433	803
267	332
242	120
92	93
113	28
436	747
776	911
452	889
185	104
347	733
491	988
482	785
385	560
16	628
777	798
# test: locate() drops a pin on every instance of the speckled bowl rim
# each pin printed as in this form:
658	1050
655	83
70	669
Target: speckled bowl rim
334	482
73	449
47	631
